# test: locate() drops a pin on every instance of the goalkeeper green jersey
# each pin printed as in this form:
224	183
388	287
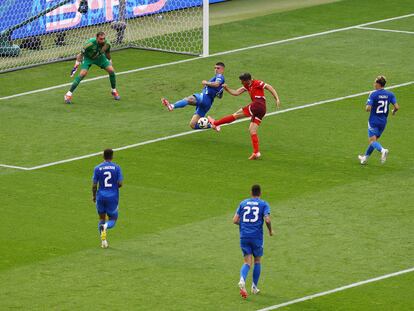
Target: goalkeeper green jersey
93	50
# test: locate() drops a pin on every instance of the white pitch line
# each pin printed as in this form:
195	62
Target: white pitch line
147	142
386	30
214	55
386	276
15	167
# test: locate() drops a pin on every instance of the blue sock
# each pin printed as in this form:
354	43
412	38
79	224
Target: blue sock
180	104
111	223
244	271
101	222
197	127
369	151
256	273
377	146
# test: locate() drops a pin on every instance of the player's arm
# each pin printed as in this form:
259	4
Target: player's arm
272	90
236	219
94	190
78	61
211	84
120	177
108	54
217	83
395	109
268	224
234	92
370	101
79	58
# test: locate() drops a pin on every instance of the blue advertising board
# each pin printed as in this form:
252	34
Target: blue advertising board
13	12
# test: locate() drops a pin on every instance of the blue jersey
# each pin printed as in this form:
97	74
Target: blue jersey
107	175
252	212
379	101
213	92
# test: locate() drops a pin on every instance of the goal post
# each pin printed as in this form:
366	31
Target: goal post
34	32
206	28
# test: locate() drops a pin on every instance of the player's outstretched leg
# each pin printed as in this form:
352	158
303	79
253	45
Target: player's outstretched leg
75	83
167	104
215	124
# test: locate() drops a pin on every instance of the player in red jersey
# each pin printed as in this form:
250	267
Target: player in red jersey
256	110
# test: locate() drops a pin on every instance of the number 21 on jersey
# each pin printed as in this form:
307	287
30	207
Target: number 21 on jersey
383	106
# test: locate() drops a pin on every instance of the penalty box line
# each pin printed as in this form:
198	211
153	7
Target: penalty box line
338	289
147	142
386	30
317	34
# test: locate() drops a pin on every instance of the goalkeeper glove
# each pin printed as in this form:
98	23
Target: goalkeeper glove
75	68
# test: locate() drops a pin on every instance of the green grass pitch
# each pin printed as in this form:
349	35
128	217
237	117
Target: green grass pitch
174	246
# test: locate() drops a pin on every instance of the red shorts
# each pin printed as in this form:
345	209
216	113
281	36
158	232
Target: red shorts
256	110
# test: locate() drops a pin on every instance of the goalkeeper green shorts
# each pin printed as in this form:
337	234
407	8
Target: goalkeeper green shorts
101	61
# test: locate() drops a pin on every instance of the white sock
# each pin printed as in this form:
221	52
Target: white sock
113	90
69	93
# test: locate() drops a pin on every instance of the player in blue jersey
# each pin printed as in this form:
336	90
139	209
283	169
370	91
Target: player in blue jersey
378	108
108	176
202	101
250	216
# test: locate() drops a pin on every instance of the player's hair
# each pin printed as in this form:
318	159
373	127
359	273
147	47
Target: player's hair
100	33
220	64
256	191
245	76
381	80
108	154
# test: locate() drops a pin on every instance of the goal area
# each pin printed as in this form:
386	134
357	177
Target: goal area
34	32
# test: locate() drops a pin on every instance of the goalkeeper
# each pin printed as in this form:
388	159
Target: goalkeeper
96	51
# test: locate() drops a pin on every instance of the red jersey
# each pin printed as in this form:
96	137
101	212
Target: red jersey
256	89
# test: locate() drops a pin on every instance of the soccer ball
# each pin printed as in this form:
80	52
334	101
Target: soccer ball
203	123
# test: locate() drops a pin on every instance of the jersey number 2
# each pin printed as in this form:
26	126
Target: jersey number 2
107	178
254	210
383	106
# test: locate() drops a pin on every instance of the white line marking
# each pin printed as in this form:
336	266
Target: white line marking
214	55
386	276
15	167
386	30
147	142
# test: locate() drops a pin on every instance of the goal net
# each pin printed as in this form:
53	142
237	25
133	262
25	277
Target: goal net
35	32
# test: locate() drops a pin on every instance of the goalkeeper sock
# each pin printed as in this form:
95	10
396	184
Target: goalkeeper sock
111	223
181	104
75	83
112	78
